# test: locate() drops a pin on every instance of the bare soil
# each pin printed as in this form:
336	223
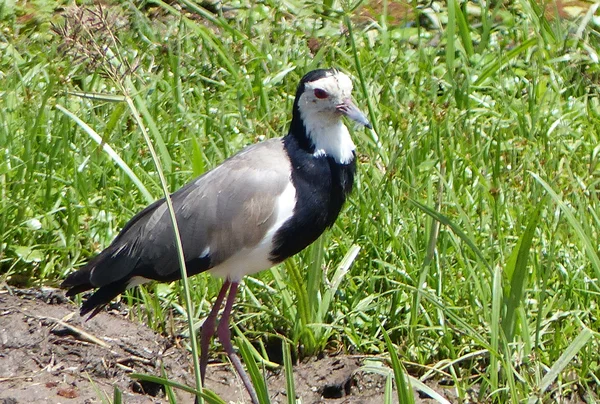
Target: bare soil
49	354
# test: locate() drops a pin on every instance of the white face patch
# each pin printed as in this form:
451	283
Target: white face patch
322	120
338	87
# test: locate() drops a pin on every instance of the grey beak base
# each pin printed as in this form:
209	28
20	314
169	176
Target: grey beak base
351	111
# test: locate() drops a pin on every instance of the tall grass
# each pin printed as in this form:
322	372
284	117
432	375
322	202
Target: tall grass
471	236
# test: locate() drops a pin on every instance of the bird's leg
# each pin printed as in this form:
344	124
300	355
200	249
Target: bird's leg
209	328
224	336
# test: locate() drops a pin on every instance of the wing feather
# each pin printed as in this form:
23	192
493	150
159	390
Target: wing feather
225	210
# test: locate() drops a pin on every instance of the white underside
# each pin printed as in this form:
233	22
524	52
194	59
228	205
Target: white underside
255	259
136	281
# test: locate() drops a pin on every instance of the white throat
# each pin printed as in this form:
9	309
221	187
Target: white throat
330	138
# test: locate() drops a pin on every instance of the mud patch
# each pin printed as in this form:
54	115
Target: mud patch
49	354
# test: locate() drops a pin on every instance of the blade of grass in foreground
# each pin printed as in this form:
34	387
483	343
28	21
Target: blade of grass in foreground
257	378
296	281
336	280
117	395
138	107
389	390
208	395
314	277
419	385
289	372
431	246
129	88
256	355
99	392
405	393
142	109
168	389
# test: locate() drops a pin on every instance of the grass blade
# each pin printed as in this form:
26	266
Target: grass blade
463	30
499	63
208	395
450	46
289	372
562	362
363	85
302	306
99	392
198	166
165	157
585	239
98	96
389	390
405	393
168	389
419	385
457	230
110	151
177	236
117	395
253	371
495	320
516	270
314	277
335	282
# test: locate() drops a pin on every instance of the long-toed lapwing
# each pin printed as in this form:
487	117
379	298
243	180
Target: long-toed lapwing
259	207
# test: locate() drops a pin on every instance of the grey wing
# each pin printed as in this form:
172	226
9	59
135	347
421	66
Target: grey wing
227	209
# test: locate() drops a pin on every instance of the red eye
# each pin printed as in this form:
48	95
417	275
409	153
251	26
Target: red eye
321	93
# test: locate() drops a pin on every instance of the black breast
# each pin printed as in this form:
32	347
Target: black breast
321	188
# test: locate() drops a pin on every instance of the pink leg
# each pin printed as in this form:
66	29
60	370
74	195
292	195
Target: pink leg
225	337
209	328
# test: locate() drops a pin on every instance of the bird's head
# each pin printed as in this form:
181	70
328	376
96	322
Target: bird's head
324	96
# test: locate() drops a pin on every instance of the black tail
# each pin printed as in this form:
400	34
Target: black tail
79	282
96	302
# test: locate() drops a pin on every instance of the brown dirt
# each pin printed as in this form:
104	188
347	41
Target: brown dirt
46	357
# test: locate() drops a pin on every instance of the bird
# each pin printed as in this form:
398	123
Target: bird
262	205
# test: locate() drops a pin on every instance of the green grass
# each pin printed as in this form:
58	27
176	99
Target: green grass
475	212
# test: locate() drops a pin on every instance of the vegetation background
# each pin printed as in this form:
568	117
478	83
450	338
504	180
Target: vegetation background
471	238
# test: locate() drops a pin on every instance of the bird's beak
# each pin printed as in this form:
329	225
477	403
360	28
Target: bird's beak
348	108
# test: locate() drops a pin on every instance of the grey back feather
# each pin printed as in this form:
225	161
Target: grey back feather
225	210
